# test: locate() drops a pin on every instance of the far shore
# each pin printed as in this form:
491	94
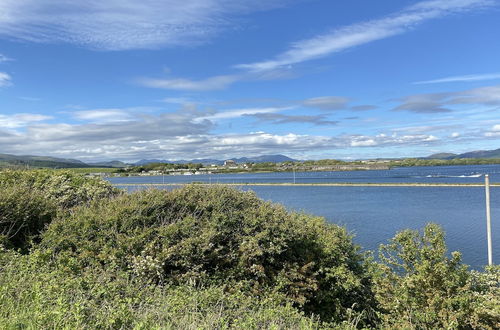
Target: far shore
314	184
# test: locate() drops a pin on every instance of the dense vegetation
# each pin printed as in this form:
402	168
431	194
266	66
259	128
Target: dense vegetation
76	253
160	167
443	162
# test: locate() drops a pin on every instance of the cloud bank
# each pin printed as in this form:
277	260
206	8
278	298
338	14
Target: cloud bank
176	135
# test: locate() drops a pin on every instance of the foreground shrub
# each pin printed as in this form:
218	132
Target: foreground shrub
24	213
65	188
37	295
214	236
485	287
30	200
421	287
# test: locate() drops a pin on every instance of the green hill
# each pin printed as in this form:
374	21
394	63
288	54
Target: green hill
7	160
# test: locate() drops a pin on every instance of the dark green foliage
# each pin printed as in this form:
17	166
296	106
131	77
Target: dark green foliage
24	212
29	200
218	235
443	162
420	286
67	189
160	167
36	294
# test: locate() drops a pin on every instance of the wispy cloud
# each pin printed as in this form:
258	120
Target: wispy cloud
323	45
279	118
236	113
4	58
363	107
441	102
365	32
103	115
465	78
178	100
122	24
5	79
218	82
30	98
327	102
182	84
423	103
21	120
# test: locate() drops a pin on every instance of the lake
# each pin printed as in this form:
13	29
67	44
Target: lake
374	214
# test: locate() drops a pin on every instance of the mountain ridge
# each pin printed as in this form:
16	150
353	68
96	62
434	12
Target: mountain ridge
54	162
471	154
278	158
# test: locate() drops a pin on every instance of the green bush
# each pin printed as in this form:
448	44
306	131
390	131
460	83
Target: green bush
37	295
214	257
216	235
31	199
24	213
419	286
67	189
485	287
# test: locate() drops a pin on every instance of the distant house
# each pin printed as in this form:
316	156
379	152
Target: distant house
229	162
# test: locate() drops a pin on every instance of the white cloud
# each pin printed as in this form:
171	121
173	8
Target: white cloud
182	84
363	143
496	128
365	32
177	135
103	115
5	79
20	120
455	135
472	77
268	140
387	140
121	24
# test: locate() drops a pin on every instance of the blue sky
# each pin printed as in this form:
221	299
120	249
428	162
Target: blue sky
123	79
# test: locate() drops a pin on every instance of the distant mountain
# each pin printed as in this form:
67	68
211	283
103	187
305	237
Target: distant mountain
264	159
113	163
182	161
208	161
472	154
149	161
442	155
40	161
480	154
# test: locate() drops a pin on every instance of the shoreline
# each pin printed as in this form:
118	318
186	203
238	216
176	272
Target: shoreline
288	184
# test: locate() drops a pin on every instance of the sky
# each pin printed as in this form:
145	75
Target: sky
102	80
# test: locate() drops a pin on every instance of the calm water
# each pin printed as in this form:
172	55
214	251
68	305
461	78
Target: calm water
375	214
